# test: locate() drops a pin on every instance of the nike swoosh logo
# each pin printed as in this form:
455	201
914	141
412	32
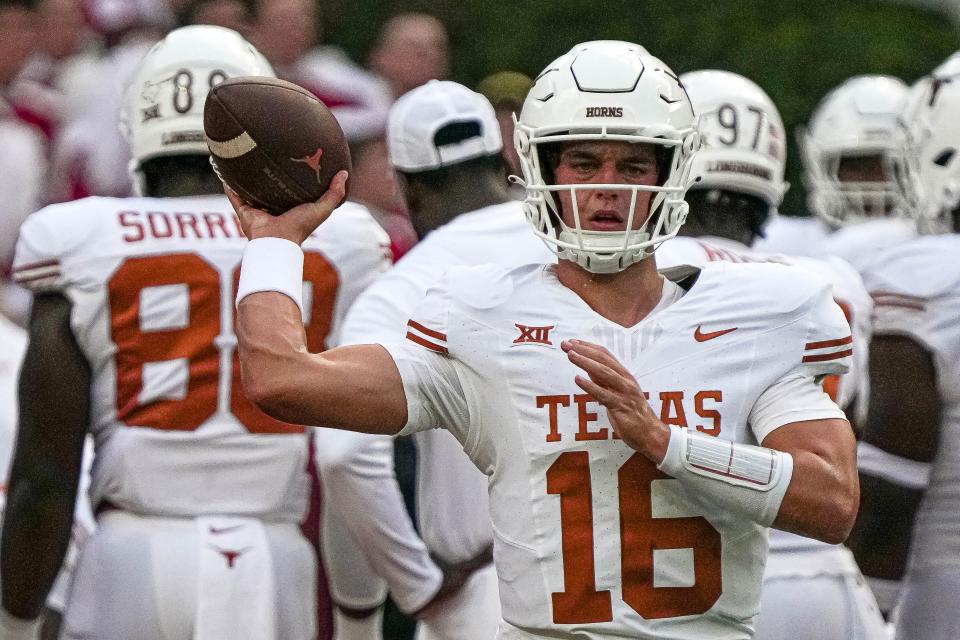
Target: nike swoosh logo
700	336
218	530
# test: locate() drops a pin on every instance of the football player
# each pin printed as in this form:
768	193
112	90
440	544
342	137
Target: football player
445	143
811	589
198	494
909	466
639	432
854	157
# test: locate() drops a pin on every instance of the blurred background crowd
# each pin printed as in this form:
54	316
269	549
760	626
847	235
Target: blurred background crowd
64	65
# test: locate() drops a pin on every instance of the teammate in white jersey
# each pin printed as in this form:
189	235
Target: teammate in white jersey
854	157
811	590
444	141
609	518
199	495
910	452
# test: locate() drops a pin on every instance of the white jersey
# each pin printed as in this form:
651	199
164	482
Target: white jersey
848	292
794	235
152	283
452	505
860	244
591	540
916	290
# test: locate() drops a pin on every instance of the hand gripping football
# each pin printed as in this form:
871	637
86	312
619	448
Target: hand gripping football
274	143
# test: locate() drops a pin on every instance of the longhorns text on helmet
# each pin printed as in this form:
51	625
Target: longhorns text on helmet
163	112
607	91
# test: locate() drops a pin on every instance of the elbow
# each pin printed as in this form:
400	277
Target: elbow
838	529
840	514
272	394
261	392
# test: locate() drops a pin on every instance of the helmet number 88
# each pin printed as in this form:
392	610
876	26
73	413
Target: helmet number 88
729	118
183	88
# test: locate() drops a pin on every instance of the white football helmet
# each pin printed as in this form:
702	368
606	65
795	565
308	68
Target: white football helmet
932	115
617	91
163	114
860	118
744	143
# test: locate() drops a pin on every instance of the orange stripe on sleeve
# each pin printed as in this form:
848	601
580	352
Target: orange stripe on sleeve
427	332
36	265
829	343
45	275
905	304
828	356
891	294
426	343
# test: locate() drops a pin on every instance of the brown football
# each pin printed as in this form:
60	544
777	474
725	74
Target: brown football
273	142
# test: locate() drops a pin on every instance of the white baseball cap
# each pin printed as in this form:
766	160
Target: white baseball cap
417	116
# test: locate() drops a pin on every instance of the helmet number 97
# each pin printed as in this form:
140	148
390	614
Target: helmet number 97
183	88
728	118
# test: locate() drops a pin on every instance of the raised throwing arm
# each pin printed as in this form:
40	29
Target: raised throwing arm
356	388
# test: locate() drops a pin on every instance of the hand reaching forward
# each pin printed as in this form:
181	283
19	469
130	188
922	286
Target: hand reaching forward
615	388
295	225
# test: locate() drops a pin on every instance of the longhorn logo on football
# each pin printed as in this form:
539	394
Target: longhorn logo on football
312	161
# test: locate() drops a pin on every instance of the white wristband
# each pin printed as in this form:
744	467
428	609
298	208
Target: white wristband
272	264
14	628
743	478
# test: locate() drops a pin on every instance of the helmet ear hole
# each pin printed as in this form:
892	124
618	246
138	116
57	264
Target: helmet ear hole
549	160
944	157
664	160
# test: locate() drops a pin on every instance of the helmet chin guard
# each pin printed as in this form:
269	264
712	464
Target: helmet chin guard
607	91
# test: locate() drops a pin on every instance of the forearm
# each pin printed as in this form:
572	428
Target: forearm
821	501
272	346
54	404
36	533
357	388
